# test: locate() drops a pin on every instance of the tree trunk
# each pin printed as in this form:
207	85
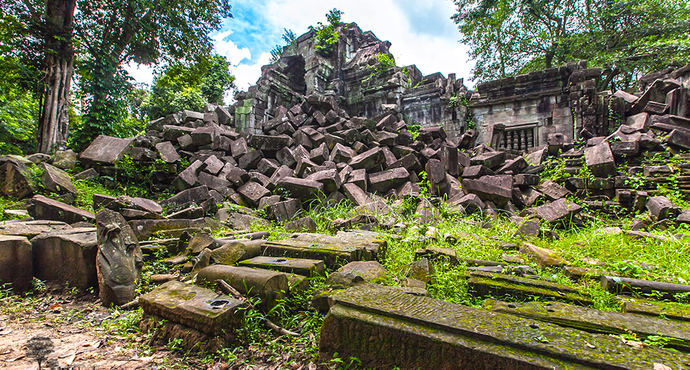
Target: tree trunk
58	68
548	58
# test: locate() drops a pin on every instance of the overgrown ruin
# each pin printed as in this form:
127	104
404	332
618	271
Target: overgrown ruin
357	81
548	154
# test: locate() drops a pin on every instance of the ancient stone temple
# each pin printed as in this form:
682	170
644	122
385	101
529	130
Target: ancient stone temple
354	76
520	112
358	75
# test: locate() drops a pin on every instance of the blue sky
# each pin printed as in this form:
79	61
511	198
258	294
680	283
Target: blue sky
421	32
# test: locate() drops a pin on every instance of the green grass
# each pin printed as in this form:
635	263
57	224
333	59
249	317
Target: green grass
651	259
10	203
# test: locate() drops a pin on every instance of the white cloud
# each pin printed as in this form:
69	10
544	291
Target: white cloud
247	74
228	49
431	53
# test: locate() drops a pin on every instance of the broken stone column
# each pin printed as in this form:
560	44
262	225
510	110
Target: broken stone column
119	260
497	135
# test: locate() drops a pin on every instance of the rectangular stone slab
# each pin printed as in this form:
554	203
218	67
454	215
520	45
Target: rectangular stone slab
300	266
670	310
597	321
144	229
193	306
66	258
370	245
384	327
326	252
485	283
106	149
32	228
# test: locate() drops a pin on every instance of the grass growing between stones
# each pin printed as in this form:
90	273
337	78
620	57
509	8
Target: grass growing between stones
10	203
472	237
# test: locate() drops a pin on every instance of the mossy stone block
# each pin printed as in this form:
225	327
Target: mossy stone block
193	306
300	266
384	327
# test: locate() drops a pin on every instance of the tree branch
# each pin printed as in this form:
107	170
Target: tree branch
35	16
234	293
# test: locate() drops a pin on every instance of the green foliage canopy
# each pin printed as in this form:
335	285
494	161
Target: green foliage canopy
627	38
19	75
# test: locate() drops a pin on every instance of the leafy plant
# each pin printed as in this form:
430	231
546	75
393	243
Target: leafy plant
174	345
290	38
326	35
553	169
424	184
385	62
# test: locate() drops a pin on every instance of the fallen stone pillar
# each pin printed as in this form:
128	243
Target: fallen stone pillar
270	286
384	327
597	321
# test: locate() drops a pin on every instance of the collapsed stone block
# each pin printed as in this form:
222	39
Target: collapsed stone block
355	194
473	172
106	150
553	191
498	189
302	189
16	263
271	143
270	286
679	138
56	180
285	210
186	197
42	208
382	182
252	193
561	210
188	178
661	208
491	159
15	178
194	307
470	203
369	159
66	258
471	338
600	160
167	152
304	224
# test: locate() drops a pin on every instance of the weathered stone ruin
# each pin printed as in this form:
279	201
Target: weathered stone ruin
357	81
341	127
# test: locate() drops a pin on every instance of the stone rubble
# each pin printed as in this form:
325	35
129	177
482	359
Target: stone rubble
313	152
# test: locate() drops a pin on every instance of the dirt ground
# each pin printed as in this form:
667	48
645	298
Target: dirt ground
74	328
85	335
